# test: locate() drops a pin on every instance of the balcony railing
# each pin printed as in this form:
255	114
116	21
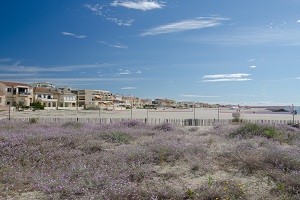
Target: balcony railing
24	93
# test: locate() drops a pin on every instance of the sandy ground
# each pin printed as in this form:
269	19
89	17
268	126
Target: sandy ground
199	113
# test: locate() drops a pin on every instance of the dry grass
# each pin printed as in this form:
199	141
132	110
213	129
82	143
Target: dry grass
131	160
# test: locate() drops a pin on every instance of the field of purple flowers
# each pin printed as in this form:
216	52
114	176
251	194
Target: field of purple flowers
132	160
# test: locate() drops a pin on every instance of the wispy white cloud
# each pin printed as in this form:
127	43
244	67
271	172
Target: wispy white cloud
185	25
74	81
139	5
121	22
227	80
5	59
127	72
36	69
128	88
17	75
253	66
287	36
124	72
75	36
97	8
108	14
198	96
251	60
238	75
298	21
118	45
226	77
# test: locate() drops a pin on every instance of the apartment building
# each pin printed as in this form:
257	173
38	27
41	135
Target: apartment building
90	98
15	94
65	97
45	96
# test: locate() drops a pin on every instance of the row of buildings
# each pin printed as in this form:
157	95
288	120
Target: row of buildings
23	94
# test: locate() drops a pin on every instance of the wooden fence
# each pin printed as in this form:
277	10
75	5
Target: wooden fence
152	121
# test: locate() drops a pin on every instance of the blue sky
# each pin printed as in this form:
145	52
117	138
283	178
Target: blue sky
233	51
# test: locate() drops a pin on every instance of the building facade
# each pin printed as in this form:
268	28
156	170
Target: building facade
16	94
45	96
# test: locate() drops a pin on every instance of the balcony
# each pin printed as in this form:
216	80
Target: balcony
24	93
41	99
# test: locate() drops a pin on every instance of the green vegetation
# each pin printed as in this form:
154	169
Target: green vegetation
37	106
133	160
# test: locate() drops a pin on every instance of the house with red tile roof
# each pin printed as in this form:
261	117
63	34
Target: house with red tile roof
45	96
15	94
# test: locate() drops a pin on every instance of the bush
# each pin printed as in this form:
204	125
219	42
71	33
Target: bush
37	106
119	137
25	107
92	108
165	127
33	120
132	123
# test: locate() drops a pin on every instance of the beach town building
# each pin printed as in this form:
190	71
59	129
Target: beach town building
15	94
93	98
134	102
65	97
164	103
45	96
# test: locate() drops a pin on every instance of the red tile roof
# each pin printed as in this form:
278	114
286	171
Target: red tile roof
43	90
14	83
2	93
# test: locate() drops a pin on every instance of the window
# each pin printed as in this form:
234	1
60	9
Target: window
0	99
8	89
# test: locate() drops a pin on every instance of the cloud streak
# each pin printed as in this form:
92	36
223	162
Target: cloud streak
72	34
139	5
36	69
252	36
5	59
107	14
185	25
198	96
118	45
128	88
226	77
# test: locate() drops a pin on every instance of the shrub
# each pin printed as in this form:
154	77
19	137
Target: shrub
25	107
164	127
119	137
72	124
220	189
132	123
33	120
37	106
247	130
92	108
250	130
